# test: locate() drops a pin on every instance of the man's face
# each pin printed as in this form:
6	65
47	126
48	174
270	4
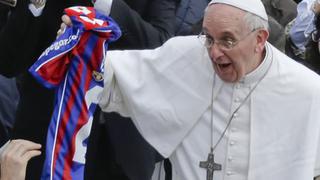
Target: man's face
226	23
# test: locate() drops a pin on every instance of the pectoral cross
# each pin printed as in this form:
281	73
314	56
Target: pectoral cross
210	165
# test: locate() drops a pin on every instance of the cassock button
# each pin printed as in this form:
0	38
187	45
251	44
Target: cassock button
232	143
237	100
229	173
230	158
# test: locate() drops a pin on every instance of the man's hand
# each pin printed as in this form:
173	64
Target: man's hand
66	21
15	157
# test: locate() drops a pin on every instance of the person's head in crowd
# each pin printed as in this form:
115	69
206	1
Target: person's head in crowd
235	35
313	47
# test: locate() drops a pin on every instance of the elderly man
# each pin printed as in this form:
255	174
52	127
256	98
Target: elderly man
253	116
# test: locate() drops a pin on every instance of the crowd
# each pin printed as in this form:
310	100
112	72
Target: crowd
225	89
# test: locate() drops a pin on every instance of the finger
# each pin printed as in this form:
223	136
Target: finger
63	26
28	145
20	147
66	19
59	32
30	154
25	145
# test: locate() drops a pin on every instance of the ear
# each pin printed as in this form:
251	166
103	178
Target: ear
262	36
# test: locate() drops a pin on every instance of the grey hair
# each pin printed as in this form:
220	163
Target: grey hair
255	22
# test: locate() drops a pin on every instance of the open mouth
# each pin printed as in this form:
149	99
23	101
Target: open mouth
224	66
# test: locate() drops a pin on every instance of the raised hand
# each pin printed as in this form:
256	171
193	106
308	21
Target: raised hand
66	21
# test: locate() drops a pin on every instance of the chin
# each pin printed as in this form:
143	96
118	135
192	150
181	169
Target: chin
227	79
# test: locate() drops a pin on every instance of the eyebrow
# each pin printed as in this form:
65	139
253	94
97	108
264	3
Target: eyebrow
224	34
227	33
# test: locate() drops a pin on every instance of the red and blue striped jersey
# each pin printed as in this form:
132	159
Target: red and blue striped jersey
74	65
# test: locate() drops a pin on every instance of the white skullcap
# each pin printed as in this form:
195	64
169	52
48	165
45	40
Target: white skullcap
253	6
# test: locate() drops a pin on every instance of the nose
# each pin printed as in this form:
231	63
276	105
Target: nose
215	52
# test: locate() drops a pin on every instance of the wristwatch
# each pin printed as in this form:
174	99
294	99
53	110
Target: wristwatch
38	3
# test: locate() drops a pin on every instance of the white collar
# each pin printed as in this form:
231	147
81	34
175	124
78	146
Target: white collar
256	74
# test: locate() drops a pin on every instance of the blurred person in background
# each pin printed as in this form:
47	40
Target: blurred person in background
300	30
313	47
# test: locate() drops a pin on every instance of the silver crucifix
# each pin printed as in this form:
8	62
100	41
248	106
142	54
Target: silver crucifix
210	165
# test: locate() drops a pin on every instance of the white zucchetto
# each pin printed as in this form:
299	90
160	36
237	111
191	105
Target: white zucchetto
253	6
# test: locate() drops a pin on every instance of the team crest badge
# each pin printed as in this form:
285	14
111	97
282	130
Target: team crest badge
97	76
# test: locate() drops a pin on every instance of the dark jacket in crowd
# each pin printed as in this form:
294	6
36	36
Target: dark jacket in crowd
4	9
189	13
9	95
9	98
282	11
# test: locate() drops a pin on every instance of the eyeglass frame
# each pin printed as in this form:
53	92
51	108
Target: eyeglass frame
225	45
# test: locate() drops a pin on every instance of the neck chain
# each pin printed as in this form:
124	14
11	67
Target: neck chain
214	146
210	165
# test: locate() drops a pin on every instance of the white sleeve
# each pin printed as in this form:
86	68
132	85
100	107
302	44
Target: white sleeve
112	100
35	11
103	6
164	91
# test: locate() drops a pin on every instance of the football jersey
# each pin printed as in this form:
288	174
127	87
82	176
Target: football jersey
74	66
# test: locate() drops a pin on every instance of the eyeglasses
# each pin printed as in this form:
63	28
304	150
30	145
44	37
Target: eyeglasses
223	44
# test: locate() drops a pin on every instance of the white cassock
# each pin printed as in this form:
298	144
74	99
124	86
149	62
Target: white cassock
275	135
